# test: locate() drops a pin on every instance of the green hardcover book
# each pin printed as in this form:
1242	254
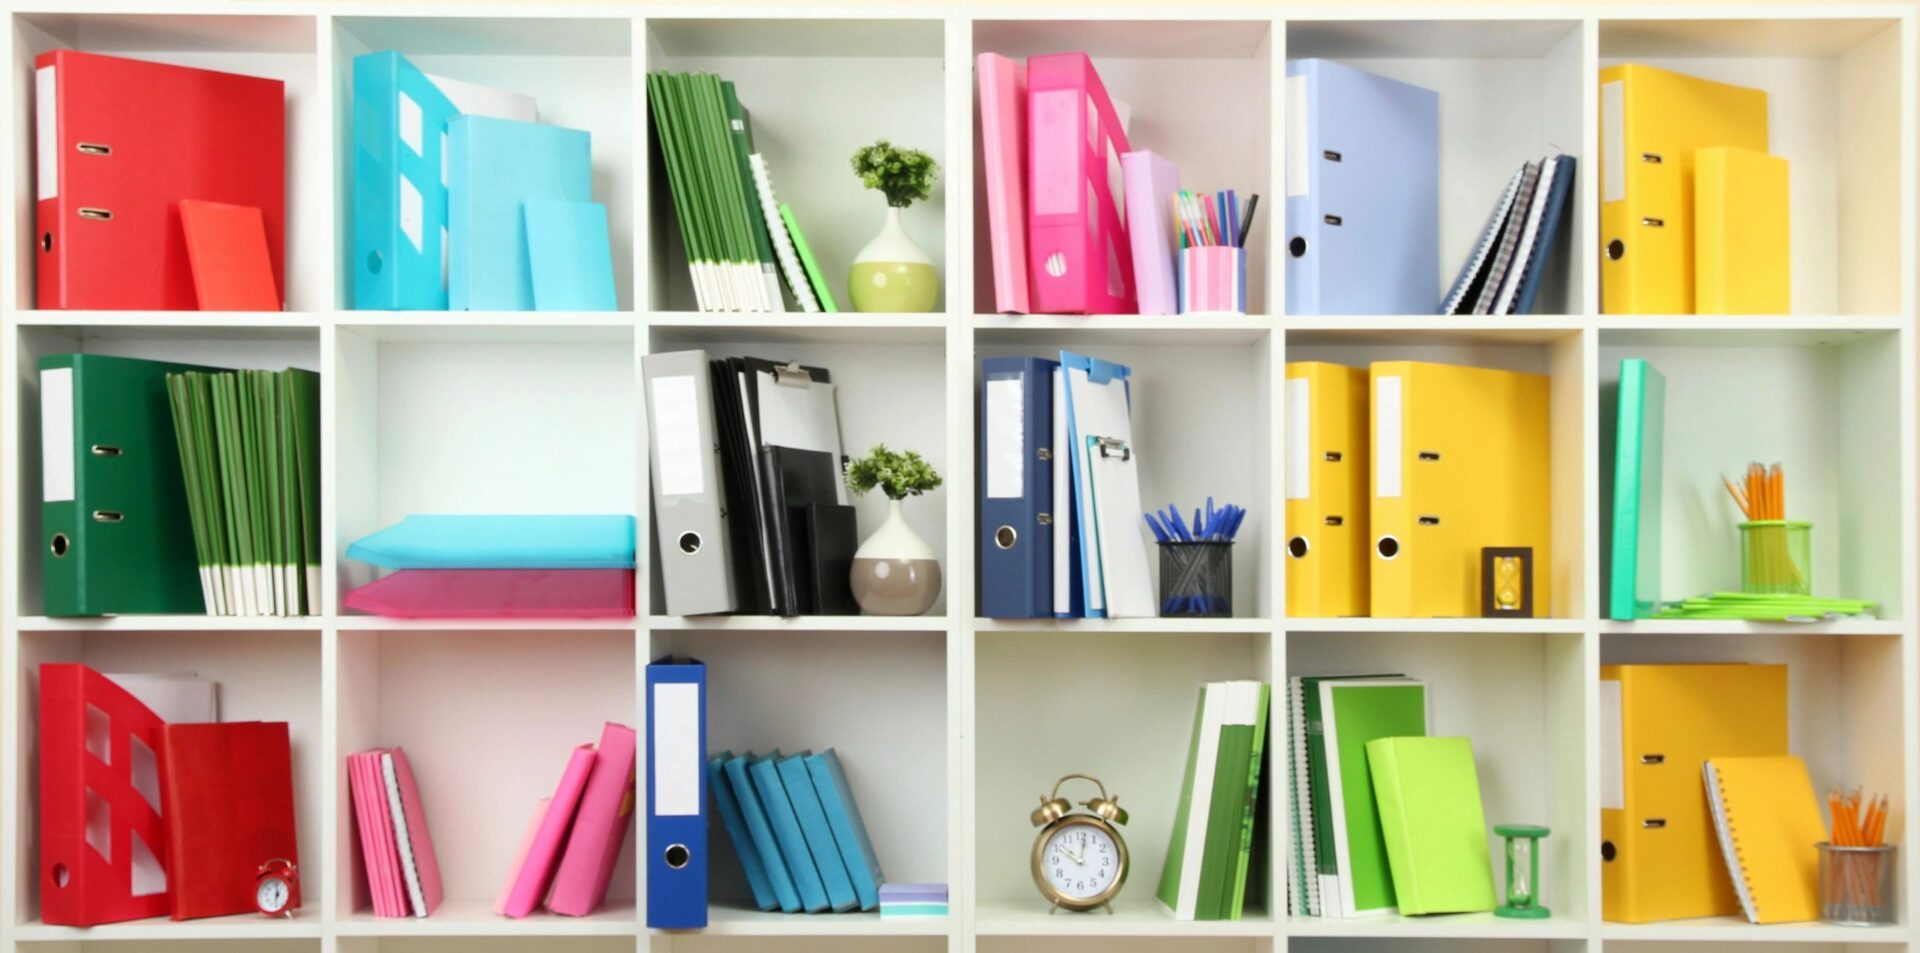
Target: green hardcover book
1317	814
1250	815
1436	834
1635	570
1170	875
117	538
1354	714
1223	818
740	129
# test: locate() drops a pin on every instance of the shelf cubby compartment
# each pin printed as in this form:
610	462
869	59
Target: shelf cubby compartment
1819	402
273	47
528	419
1549	349
794	77
1834	113
482	773
1197	92
578	70
1511	91
262	676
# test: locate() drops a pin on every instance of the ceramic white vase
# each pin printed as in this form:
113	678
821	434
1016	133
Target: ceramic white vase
895	572
893	274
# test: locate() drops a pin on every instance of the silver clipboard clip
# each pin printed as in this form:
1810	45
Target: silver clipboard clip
792	375
1111	447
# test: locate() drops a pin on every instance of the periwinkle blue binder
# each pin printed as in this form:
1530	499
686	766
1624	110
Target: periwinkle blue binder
819	836
500	542
786	830
1558	198
760	829
736	824
567	250
497	165
399	186
676	793
1363	192
1016	488
849	829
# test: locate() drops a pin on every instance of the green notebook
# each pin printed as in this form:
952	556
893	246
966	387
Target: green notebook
1436	834
1234	904
1354	714
1635	570
1314	859
1207	856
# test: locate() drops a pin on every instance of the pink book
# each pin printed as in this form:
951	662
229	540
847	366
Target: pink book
1151	182
599	829
520	855
417	861
498	594
536	874
1078	258
1003	160
376	834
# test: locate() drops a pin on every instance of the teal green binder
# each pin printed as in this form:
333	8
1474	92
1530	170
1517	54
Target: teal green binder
1635	588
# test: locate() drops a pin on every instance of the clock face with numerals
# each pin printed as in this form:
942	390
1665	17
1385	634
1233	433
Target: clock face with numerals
272	895
1081	862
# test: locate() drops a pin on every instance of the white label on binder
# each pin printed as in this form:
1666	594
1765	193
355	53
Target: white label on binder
413	126
676	431
1006	434
1613	788
676	749
1297	171
413	214
56	435
46	133
1613	129
1299	416
1386	437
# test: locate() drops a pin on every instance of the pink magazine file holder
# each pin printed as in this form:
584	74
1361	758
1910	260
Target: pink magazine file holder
498	594
1079	260
1213	280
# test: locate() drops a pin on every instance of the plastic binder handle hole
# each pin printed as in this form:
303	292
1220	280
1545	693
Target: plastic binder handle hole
1297	547
1297	247
1606	851
689	543
1005	537
59	545
46	241
678	856
1616	250
1389	547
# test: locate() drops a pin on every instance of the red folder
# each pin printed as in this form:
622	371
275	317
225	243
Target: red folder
119	143
227	246
99	750
228	801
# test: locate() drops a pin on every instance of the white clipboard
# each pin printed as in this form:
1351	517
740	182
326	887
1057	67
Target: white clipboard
1098	401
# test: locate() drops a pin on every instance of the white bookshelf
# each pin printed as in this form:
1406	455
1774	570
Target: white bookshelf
951	725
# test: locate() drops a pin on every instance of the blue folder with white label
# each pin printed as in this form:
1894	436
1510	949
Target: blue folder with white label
849	829
500	542
567	250
676	844
760	832
1363	192
497	165
399	186
1016	487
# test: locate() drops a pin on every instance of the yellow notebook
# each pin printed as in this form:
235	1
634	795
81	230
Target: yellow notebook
1326	469
1651	122
1768	819
1460	462
1741	259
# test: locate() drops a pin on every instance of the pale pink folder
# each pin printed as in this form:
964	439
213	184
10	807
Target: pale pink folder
599	828
520	855
1078	258
376	834
536	875
1151	182
1003	159
416	849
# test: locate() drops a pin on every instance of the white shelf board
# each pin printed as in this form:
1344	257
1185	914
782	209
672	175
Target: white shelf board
1437	626
1136	914
1477	926
736	921
1425	329
305	925
1708	628
1738	930
795	328
1232	626
172	320
802	623
476	918
1111	329
170	623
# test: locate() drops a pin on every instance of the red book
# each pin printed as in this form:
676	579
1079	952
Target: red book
118	144
227	245
228	800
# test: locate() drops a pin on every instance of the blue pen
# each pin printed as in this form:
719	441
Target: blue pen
1234	529
1209	511
1153	524
1179	527
1198	532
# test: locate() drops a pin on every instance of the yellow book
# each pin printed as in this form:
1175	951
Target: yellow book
1660	857
1768	820
1651	122
1326	469
1741	259
1461	462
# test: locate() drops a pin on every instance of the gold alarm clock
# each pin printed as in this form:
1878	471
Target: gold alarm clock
1079	859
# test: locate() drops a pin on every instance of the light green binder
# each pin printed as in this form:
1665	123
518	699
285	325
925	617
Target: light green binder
1436	833
1635	576
1356	713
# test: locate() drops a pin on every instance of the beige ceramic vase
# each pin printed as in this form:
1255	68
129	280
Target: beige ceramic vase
895	572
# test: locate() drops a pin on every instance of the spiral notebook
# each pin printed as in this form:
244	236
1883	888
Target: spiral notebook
1768	821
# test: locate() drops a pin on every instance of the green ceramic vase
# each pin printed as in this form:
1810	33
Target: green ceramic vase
892	274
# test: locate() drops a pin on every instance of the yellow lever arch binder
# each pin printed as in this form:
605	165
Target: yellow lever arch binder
1326	477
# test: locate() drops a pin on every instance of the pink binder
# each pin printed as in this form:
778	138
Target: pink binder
536	874
498	594
419	844
1003	160
599	828
1151	182
1078	258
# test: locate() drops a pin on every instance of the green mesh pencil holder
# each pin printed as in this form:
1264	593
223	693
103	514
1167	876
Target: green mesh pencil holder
1776	557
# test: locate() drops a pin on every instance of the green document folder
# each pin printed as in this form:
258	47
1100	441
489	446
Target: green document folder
1429	801
1635	573
1354	714
1234	904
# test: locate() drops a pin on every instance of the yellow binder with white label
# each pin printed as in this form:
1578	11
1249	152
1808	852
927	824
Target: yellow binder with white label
1741	259
1460	462
1660	858
1651	122
1326	476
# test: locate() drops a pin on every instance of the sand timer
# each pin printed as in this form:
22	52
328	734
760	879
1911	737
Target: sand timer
1523	871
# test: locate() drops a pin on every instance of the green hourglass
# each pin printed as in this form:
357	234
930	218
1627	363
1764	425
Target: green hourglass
1523	871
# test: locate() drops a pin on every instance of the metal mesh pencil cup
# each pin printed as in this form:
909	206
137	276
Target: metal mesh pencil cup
1776	557
1196	579
1857	885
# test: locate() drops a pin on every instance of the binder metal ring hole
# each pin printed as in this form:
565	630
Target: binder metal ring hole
1429	521
1652	222
1653	759
102	450
1429	456
1044	453
46	241
1654	823
1335	521
1330	155
1044	519
1297	247
373	263
690	543
1388	547
1333	456
94	148
1616	250
1653	157
1331	219
1005	537
59	545
1297	547
1607	851
108	516
97	214
678	856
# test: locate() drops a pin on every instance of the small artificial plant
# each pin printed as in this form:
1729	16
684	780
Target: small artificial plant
905	175
899	475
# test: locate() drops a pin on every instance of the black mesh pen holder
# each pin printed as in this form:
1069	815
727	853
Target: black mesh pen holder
1196	580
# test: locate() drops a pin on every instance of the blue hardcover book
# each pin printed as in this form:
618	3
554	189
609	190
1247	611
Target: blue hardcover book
500	542
819	835
568	252
399	186
761	832
736	825
498	165
786	830
1016	487
1363	192
849	829
1558	199
676	835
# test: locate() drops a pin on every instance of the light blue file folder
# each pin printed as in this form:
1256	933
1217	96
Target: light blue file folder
567	249
399	186
500	542
497	165
1363	193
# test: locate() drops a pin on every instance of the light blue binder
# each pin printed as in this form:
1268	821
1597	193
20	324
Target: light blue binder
736	824
849	829
399	186
760	830
786	829
567	251
1363	192
813	826
497	166
500	542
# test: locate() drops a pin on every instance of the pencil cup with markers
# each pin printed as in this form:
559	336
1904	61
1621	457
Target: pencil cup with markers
1212	263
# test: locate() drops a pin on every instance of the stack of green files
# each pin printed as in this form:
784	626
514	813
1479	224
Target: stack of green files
1767	607
1209	860
250	455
